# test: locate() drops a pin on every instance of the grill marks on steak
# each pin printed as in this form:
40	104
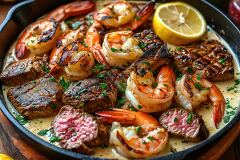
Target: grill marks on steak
38	98
90	95
181	123
210	59
148	40
23	71
79	130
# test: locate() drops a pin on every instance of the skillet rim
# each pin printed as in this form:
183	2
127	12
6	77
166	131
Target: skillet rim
178	155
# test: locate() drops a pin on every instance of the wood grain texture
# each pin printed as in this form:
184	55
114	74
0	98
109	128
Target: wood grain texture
12	144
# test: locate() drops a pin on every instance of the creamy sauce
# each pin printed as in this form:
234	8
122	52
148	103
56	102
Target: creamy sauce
174	144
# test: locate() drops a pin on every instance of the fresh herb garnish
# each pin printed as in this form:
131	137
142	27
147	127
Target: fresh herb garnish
83	90
189	118
178	48
103	85
131	108
43	132
76	25
222	61
150	138
53	106
100	75
190	70
84	43
120	102
165	85
22	120
199	77
114	49
138	129
45	69
104	93
65	84
54	139
90	19
121	86
175	119
139	107
142	45
138	18
98	67
52	79
154	85
149	36
198	86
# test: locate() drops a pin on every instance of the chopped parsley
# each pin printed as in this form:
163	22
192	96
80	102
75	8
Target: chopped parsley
179	75
175	119
114	49
138	129
84	43
45	69
103	85
222	61
189	118
121	86
142	45
139	107
65	84
54	139
190	70
230	111
52	79
22	120
120	102
165	85
150	138
131	108
98	67
178	48
146	63
100	75
155	85
43	132
104	93
149	36
199	77
75	25
90	19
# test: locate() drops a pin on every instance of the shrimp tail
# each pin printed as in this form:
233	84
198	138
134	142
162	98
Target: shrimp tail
218	104
21	50
141	17
119	115
71	9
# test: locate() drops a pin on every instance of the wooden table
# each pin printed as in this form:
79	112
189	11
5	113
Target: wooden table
228	148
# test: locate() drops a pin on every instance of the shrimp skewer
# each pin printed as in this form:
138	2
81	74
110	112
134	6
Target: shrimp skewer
115	15
126	140
149	95
40	37
192	90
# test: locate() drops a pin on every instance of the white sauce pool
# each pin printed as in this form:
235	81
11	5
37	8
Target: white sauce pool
176	144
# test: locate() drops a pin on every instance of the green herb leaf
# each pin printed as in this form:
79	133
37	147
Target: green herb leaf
138	18
120	102
226	119
98	67
131	108
175	119
199	77
138	129
189	118
53	106
22	120
114	49
45	69
165	85
121	86
178	48
54	139
142	45
149	36
150	138
52	79
76	25
100	75
43	132
190	70
222	61
198	86
104	93
155	85
103	85
64	84
139	107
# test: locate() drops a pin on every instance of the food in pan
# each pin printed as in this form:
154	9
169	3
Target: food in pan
109	79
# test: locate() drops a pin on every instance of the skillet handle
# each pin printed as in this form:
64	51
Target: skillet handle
12	11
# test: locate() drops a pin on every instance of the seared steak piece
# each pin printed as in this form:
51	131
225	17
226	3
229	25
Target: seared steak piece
148	40
79	130
181	123
38	98
24	71
209	59
91	95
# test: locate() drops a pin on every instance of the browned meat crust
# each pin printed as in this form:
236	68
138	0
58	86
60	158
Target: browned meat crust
24	71
148	40
79	131
91	95
210	59
181	123
38	98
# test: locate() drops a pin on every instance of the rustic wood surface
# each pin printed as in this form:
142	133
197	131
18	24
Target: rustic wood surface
227	148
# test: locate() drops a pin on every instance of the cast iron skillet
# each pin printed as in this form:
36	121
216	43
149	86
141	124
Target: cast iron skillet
27	11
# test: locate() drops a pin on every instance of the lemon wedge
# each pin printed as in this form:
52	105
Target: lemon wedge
5	157
178	23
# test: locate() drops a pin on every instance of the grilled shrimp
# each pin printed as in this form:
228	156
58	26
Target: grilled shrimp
115	15
149	95
127	140
192	90
41	36
76	60
120	48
